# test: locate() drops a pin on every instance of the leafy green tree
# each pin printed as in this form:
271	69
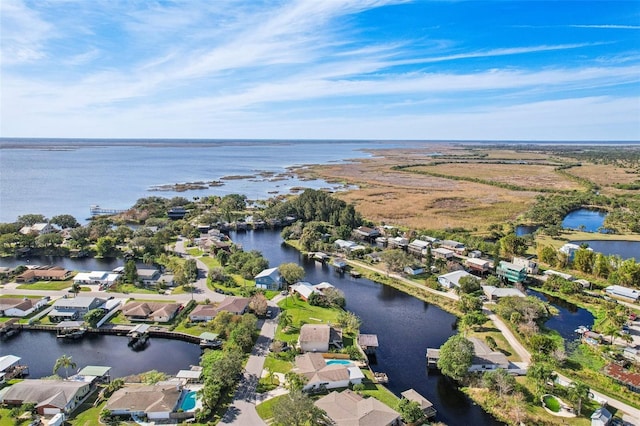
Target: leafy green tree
548	255
65	362
153	377
291	272
578	392
297	409
456	356
294	382
349	321
31	219
539	373
191	270
65	221
285	320
542	346
494	281
511	245
602	266
258	304
49	240
309	238
500	381
130	272
472	320
411	411
396	260
105	246
468	285
335	297
583	260
93	316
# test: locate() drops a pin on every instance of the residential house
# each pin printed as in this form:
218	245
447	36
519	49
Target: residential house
149	276
151	311
21	307
510	272
414	270
496	293
176	213
344	245
73	308
418	247
49	396
570	250
304	290
456	246
623	292
601	417
8	366
38	229
366	233
155	402
452	279
234	305
319	375
347	408
318	338
442	253
475	254
486	359
398	243
427	406
269	279
529	265
480	266
44	273
625	377
102	278
550	272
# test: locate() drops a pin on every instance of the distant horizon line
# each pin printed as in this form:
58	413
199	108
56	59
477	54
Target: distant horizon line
513	141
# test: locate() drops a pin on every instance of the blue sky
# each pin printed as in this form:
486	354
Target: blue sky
321	69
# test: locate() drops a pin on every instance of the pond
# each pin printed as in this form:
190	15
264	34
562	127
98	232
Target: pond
522	230
585	220
624	249
569	317
405	327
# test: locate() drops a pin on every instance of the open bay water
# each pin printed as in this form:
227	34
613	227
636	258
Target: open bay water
59	176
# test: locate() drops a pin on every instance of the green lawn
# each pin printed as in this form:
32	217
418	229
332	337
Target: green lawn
46	285
552	403
193	330
277	365
265	410
303	313
377	391
19	296
130	288
6	420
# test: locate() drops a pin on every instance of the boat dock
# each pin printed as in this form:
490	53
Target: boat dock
9	328
96	210
71	330
138	335
210	340
433	355
426	405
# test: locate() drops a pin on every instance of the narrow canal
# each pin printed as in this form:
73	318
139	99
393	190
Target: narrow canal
405	326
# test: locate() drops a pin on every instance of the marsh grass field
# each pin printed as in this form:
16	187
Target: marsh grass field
449	186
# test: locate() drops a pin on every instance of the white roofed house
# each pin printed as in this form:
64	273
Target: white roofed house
148	275
318	338
21	307
530	266
102	278
453	245
418	247
452	279
623	292
73	308
442	253
496	293
38	229
269	279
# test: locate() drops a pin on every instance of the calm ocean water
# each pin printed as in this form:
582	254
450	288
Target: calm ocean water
68	176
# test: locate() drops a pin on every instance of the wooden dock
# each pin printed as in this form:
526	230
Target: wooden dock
96	210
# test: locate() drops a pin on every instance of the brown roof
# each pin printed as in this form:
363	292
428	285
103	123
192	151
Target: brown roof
56	393
369	340
310	362
149	309
350	409
314	333
235	305
16	303
43	271
314	367
147	398
204	311
622	375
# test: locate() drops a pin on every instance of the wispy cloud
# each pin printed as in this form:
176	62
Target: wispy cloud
609	27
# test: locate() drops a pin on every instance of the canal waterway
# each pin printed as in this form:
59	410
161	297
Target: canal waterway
569	317
40	349
405	327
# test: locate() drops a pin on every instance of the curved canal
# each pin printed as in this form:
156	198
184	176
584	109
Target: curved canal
405	326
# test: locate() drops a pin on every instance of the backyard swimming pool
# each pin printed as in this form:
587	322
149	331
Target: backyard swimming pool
339	361
189	401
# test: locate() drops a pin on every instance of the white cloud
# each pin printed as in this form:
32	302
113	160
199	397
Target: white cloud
23	33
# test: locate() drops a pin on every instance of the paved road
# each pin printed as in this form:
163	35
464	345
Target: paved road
242	411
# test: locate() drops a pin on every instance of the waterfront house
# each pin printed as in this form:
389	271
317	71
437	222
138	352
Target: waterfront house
442	253
21	307
510	272
234	305
480	266
623	292
625	377
156	402
304	290
73	308
601	417
455	246
102	278
529	265
148	275
486	359
452	279
414	270
426	405
269	279
150	311
344	245
193	375
8	365
176	213
495	293
418	247
570	250
44	273
347	408
368	343
49	396
203	313
318	338
319	375
550	272
38	229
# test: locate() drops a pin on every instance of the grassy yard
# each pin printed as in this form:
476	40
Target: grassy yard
7	420
303	313
277	365
19	296
190	328
130	288
46	285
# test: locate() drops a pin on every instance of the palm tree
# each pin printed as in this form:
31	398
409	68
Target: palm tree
75	288
285	320
65	362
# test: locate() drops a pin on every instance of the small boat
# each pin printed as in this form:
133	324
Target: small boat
72	334
355	274
379	377
70	330
581	329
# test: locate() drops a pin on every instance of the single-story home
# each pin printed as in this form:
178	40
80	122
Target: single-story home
414	270
601	417
102	278
319	374
303	289
8	363
344	244
442	253
495	293
148	275
366	232
150	311
235	305
38	229
486	359
269	279
21	307
49	396
318	338
623	292
156	402
347	408
44	273
550	272
623	376
73	308
452	279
